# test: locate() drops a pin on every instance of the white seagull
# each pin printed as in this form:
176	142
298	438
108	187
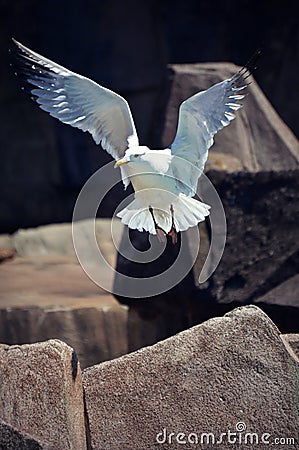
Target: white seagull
164	180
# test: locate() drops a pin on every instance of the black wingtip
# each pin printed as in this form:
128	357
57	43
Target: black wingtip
246	71
251	63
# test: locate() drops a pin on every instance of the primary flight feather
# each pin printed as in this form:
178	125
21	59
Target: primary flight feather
164	180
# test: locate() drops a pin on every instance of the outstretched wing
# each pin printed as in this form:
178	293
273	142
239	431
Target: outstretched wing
200	117
80	102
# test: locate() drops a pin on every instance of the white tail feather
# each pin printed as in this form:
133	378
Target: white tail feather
188	212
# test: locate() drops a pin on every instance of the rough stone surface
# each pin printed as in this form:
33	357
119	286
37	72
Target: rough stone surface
56	240
227	371
46	297
286	293
293	341
41	393
262	246
13	439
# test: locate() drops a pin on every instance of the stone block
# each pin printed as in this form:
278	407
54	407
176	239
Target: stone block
41	393
230	381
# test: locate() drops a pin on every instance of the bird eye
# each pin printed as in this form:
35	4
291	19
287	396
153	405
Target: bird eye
136	156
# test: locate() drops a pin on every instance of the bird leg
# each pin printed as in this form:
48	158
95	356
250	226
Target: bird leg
173	233
161	235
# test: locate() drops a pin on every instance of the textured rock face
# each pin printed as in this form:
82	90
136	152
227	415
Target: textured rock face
231	382
46	297
262	247
41	393
286	293
45	293
13	439
229	373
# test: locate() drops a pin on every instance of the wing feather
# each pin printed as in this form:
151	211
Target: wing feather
200	117
79	102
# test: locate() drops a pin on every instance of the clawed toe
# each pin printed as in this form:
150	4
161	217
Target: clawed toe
174	235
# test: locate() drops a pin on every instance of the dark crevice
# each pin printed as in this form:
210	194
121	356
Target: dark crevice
87	426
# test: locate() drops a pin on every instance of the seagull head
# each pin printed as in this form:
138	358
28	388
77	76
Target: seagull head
132	155
142	159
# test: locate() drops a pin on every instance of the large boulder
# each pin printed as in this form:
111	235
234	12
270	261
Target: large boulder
45	294
230	380
262	245
41	393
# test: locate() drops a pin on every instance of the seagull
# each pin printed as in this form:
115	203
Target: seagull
164	181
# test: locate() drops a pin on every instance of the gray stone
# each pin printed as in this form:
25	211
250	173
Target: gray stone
293	341
13	439
286	293
262	245
44	297
56	240
229	373
41	393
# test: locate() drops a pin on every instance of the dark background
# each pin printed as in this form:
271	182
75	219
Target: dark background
126	46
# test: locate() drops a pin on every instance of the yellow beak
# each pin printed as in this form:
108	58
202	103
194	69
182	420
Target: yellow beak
120	162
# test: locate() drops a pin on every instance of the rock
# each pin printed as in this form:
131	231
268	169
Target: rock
44	297
262	246
41	393
232	373
56	240
293	341
286	293
13	439
282	302
208	31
